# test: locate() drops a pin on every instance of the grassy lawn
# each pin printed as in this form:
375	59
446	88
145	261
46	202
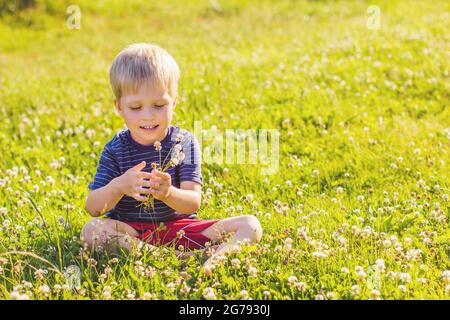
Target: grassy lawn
359	206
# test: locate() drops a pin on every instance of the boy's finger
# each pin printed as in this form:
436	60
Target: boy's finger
155	188
160	181
146	183
139	166
141	190
162	175
145	175
154	185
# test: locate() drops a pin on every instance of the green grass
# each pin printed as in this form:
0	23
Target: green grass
368	109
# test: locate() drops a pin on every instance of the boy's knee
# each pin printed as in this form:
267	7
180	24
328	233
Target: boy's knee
91	232
253	223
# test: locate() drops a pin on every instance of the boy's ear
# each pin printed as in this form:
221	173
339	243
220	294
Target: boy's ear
117	108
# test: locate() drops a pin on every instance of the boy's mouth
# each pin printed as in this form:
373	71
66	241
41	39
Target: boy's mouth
149	128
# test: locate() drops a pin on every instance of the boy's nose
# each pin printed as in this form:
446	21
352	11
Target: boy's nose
148	113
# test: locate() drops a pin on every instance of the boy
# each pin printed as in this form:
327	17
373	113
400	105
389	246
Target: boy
144	79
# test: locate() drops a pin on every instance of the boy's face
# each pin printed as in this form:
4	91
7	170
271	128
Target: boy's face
147	113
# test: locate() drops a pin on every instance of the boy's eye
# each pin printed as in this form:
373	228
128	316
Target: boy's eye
135	108
160	106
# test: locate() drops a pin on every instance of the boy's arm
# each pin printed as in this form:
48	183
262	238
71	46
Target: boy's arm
131	183
103	199
187	199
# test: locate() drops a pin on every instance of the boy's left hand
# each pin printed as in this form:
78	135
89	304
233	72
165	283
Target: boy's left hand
160	183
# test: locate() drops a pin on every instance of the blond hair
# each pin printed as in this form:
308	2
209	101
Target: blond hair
143	64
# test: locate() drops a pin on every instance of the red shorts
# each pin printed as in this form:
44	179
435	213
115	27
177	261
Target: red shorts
185	232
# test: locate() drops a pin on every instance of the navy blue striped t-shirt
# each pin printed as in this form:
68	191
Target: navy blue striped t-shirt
122	153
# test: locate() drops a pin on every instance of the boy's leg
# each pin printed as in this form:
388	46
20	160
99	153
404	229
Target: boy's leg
109	234
243	227
112	234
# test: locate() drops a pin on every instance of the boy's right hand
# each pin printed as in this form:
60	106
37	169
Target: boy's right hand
131	183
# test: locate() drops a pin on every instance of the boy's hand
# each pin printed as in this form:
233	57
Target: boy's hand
160	183
131	183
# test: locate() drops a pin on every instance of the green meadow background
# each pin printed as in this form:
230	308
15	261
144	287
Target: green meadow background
359	208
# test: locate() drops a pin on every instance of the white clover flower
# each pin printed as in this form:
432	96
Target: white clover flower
319	297
292	280
24	296
330	295
375	294
50	180
179	137
339	190
355	290
319	254
181	156
6	223
361	274
252	271
445	276
344	270
301	286
360	198
157	145
90	133
244	295
208	293
421	280
177	148
404	276
44	290
402	288
379	263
